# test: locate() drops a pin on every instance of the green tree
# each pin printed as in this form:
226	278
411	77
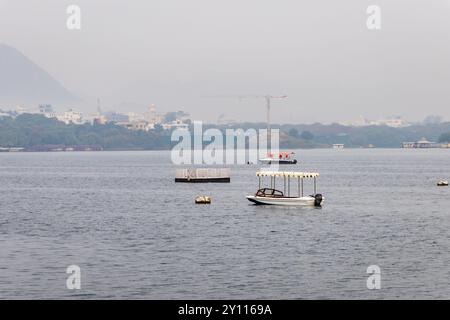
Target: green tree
445	137
170	117
306	135
293	133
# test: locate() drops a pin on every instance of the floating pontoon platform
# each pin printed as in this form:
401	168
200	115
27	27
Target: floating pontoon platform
203	175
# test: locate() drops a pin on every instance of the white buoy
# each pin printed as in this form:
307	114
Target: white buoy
442	183
203	200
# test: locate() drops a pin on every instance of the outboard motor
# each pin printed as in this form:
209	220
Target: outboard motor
318	200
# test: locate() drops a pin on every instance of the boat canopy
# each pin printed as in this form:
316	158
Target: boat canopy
291	174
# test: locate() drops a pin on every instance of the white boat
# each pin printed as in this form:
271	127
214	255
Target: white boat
281	158
442	183
275	197
272	196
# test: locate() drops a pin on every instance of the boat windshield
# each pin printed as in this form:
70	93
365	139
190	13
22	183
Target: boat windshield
267	192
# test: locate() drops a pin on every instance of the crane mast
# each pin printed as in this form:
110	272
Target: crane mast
268	99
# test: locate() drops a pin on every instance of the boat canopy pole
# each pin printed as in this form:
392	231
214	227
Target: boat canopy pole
300	175
315	186
259	183
289	186
302	187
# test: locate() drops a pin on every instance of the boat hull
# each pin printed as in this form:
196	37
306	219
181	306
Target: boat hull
277	161
203	180
284	201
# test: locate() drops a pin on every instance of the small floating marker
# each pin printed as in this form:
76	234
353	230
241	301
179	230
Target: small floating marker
203	200
442	183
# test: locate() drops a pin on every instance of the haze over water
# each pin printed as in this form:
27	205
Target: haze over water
137	234
175	54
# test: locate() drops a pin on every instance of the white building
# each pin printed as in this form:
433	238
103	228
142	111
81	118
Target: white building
71	116
395	122
136	125
177	124
359	122
23	109
151	116
133	116
421	144
392	122
47	110
95	117
4	114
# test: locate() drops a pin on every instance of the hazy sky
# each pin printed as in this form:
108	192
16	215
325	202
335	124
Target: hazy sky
178	54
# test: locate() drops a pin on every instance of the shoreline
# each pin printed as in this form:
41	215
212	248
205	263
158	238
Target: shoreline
70	150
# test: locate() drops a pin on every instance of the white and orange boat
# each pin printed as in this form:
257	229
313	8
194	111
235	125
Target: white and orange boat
280	158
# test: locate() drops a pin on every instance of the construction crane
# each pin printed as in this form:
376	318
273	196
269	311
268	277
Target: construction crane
268	99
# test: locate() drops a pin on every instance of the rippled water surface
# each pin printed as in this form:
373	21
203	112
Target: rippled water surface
137	234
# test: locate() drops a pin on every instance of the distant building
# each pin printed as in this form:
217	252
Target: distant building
43	109
421	144
116	117
96	118
359	122
4	114
152	117
99	120
136	125
177	124
149	120
392	122
139	125
395	122
11	149
133	116
47	110
140	121
22	110
71	116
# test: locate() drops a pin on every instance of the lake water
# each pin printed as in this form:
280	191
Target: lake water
137	234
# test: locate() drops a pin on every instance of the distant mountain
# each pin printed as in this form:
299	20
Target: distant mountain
23	82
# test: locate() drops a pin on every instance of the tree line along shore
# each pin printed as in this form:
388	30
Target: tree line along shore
31	132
